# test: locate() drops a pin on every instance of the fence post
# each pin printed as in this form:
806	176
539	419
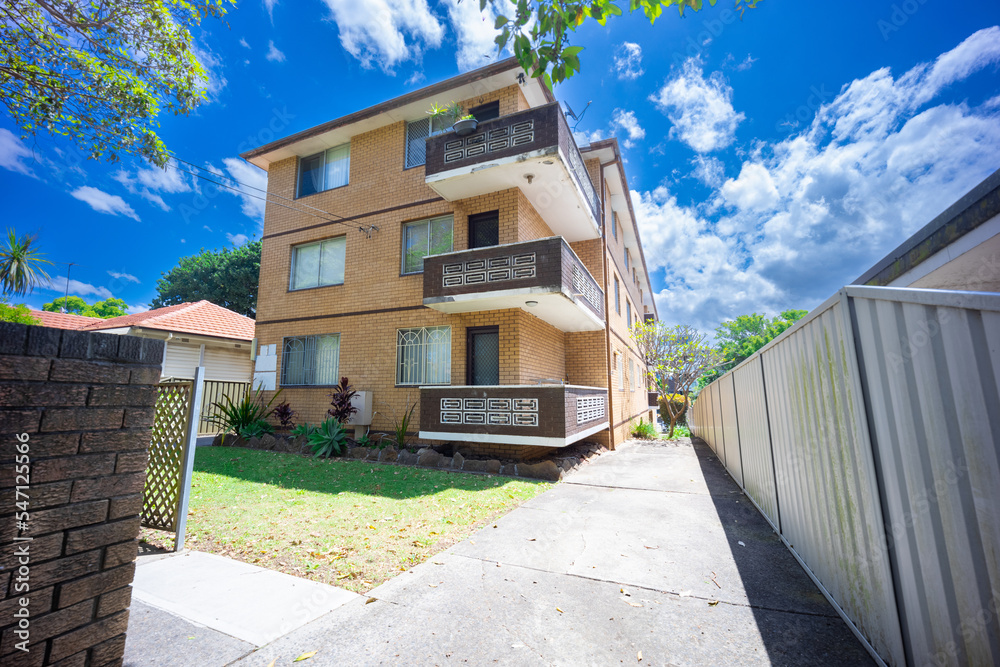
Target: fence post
187	464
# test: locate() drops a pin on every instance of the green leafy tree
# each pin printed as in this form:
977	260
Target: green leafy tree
227	278
737	339
675	356
19	314
104	309
540	30
21	265
100	73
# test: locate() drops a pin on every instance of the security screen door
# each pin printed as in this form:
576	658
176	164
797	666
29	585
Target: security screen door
483	365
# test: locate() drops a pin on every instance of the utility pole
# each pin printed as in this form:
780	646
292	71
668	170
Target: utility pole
69	267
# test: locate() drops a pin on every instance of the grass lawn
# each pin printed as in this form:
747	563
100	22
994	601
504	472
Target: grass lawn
348	523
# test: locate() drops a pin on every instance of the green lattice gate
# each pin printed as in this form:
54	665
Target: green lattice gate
171	457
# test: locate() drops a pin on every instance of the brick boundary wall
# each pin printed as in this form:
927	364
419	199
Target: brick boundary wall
86	402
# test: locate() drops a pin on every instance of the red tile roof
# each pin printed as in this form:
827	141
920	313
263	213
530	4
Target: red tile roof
63	320
200	317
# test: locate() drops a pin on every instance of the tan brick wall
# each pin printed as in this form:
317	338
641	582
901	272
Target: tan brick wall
541	350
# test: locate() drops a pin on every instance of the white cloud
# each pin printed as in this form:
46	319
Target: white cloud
237	239
149	182
415	78
707	169
102	202
700	109
137	308
12	152
123	276
206	228
584	138
746	63
269	6
384	33
474	33
58	284
628	61
244	43
811	212
250	185
214	80
626	120
273	54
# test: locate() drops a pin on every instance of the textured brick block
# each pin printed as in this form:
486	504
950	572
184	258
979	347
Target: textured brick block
115	441
39	602
115	601
75	467
107	487
75	660
75	345
93	537
125	506
130	349
108	653
24	368
104	346
20	421
73	370
12	337
132	462
120	554
41	549
68	516
88	636
139	417
145	375
152	352
42	445
50	625
21	659
42	395
94	585
122	395
43	342
70	567
44	496
60	419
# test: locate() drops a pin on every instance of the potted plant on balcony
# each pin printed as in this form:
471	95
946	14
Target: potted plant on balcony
463	123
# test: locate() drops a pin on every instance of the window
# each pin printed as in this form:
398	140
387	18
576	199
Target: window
310	360
626	262
426	237
614	225
628	312
325	171
318	264
423	355
620	368
416	134
485	112
631	376
484	230
618	308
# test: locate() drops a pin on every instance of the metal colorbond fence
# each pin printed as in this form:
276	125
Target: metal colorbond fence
869	436
215	391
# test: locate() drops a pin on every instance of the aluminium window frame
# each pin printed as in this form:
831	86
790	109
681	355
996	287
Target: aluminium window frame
298	175
291	262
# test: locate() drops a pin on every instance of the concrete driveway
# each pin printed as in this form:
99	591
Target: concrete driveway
649	552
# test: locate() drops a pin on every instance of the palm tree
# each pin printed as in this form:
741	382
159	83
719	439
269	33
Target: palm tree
20	265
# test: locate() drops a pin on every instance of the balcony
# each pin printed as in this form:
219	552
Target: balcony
532	150
542	277
539	415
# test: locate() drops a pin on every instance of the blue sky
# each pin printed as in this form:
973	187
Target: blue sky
771	160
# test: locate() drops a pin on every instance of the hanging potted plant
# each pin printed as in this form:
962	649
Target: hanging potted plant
463	123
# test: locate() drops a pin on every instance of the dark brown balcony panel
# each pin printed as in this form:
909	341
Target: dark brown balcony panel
532	150
539	415
542	277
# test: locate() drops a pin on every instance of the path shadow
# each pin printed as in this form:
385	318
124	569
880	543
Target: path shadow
792	616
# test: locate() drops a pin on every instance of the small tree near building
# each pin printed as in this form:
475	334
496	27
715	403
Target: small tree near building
675	356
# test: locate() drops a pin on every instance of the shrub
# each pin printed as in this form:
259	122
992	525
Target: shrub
341	401
236	416
328	439
644	430
285	415
256	429
676	405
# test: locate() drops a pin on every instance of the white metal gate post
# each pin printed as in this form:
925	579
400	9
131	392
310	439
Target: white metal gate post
187	465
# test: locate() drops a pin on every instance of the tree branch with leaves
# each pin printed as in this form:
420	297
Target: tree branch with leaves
540	31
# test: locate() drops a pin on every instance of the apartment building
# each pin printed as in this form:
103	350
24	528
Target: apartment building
489	279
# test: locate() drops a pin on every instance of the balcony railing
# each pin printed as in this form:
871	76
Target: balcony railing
543	277
546	415
529	148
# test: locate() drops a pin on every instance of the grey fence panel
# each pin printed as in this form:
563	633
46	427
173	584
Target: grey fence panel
755	438
932	363
718	443
825	475
730	428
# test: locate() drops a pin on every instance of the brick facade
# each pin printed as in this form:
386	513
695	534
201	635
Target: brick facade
85	401
375	300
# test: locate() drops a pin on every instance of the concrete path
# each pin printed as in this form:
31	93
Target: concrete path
651	550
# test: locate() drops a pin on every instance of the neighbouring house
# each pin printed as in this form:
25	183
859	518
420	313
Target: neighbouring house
488	278
957	250
62	320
